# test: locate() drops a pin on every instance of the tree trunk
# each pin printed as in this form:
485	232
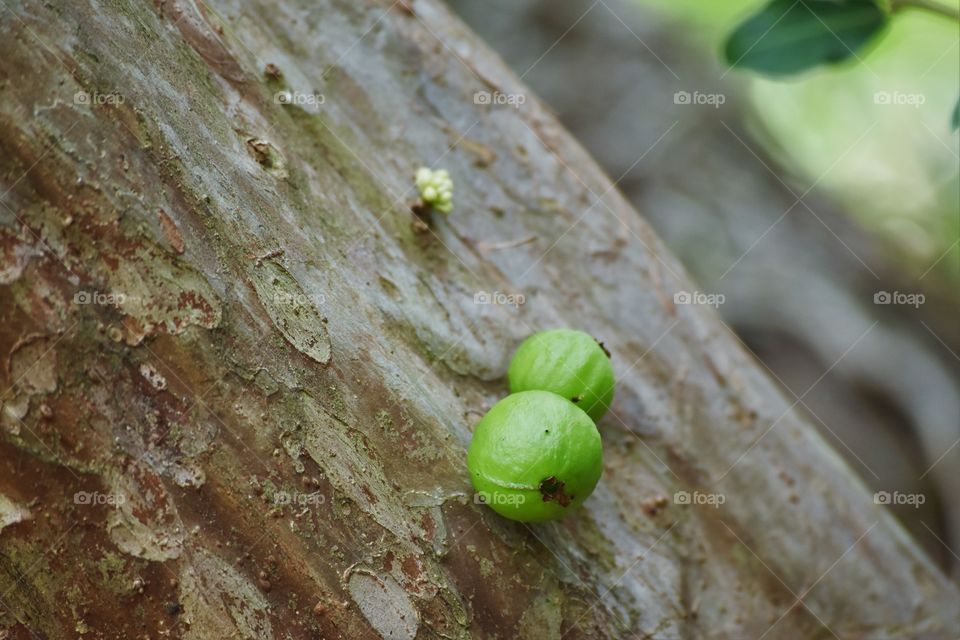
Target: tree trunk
240	374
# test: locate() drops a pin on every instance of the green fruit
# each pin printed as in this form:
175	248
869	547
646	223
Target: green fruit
534	457
570	364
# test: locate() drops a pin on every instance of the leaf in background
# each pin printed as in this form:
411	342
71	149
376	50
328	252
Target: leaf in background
955	120
789	36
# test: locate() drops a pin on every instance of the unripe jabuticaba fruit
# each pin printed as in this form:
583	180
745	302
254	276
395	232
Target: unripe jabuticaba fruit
535	456
569	363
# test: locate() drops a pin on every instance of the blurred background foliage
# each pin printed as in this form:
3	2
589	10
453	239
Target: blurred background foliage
901	180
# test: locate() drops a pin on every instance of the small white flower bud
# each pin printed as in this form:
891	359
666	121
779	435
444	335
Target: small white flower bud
436	188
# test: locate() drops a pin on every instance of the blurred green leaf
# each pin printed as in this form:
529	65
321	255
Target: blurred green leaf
789	36
955	120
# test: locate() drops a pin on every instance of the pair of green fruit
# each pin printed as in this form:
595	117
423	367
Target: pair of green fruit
536	455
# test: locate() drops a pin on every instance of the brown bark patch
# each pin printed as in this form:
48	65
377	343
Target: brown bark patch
170	232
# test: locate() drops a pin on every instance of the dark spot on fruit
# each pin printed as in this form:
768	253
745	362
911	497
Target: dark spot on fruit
605	350
576	399
553	489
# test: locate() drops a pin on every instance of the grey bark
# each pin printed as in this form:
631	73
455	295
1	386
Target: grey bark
798	273
272	378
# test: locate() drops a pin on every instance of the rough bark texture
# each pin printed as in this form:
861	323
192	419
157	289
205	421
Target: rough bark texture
271	411
798	279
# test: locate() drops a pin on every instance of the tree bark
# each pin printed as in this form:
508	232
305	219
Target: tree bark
240	374
733	215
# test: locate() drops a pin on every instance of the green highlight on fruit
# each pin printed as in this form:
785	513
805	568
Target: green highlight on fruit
569	363
534	456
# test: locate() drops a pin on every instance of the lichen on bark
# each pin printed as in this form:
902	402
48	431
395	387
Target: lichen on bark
226	378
